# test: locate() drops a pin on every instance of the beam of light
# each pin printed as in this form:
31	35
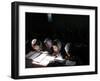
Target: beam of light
49	17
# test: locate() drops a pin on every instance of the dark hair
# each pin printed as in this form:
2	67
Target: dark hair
57	43
47	39
38	43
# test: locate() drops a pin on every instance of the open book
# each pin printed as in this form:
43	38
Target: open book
44	59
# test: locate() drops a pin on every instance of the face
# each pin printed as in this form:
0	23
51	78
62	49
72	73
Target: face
36	47
49	44
55	48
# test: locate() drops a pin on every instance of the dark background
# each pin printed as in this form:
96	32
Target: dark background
66	28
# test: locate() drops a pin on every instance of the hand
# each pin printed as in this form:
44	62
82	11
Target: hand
68	55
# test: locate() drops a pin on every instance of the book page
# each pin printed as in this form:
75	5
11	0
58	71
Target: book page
47	60
39	58
35	55
43	59
59	58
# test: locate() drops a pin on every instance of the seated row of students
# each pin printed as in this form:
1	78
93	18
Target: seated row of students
51	47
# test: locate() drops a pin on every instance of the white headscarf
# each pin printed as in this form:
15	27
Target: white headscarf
67	46
33	41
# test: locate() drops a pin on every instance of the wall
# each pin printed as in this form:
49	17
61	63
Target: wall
5	39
